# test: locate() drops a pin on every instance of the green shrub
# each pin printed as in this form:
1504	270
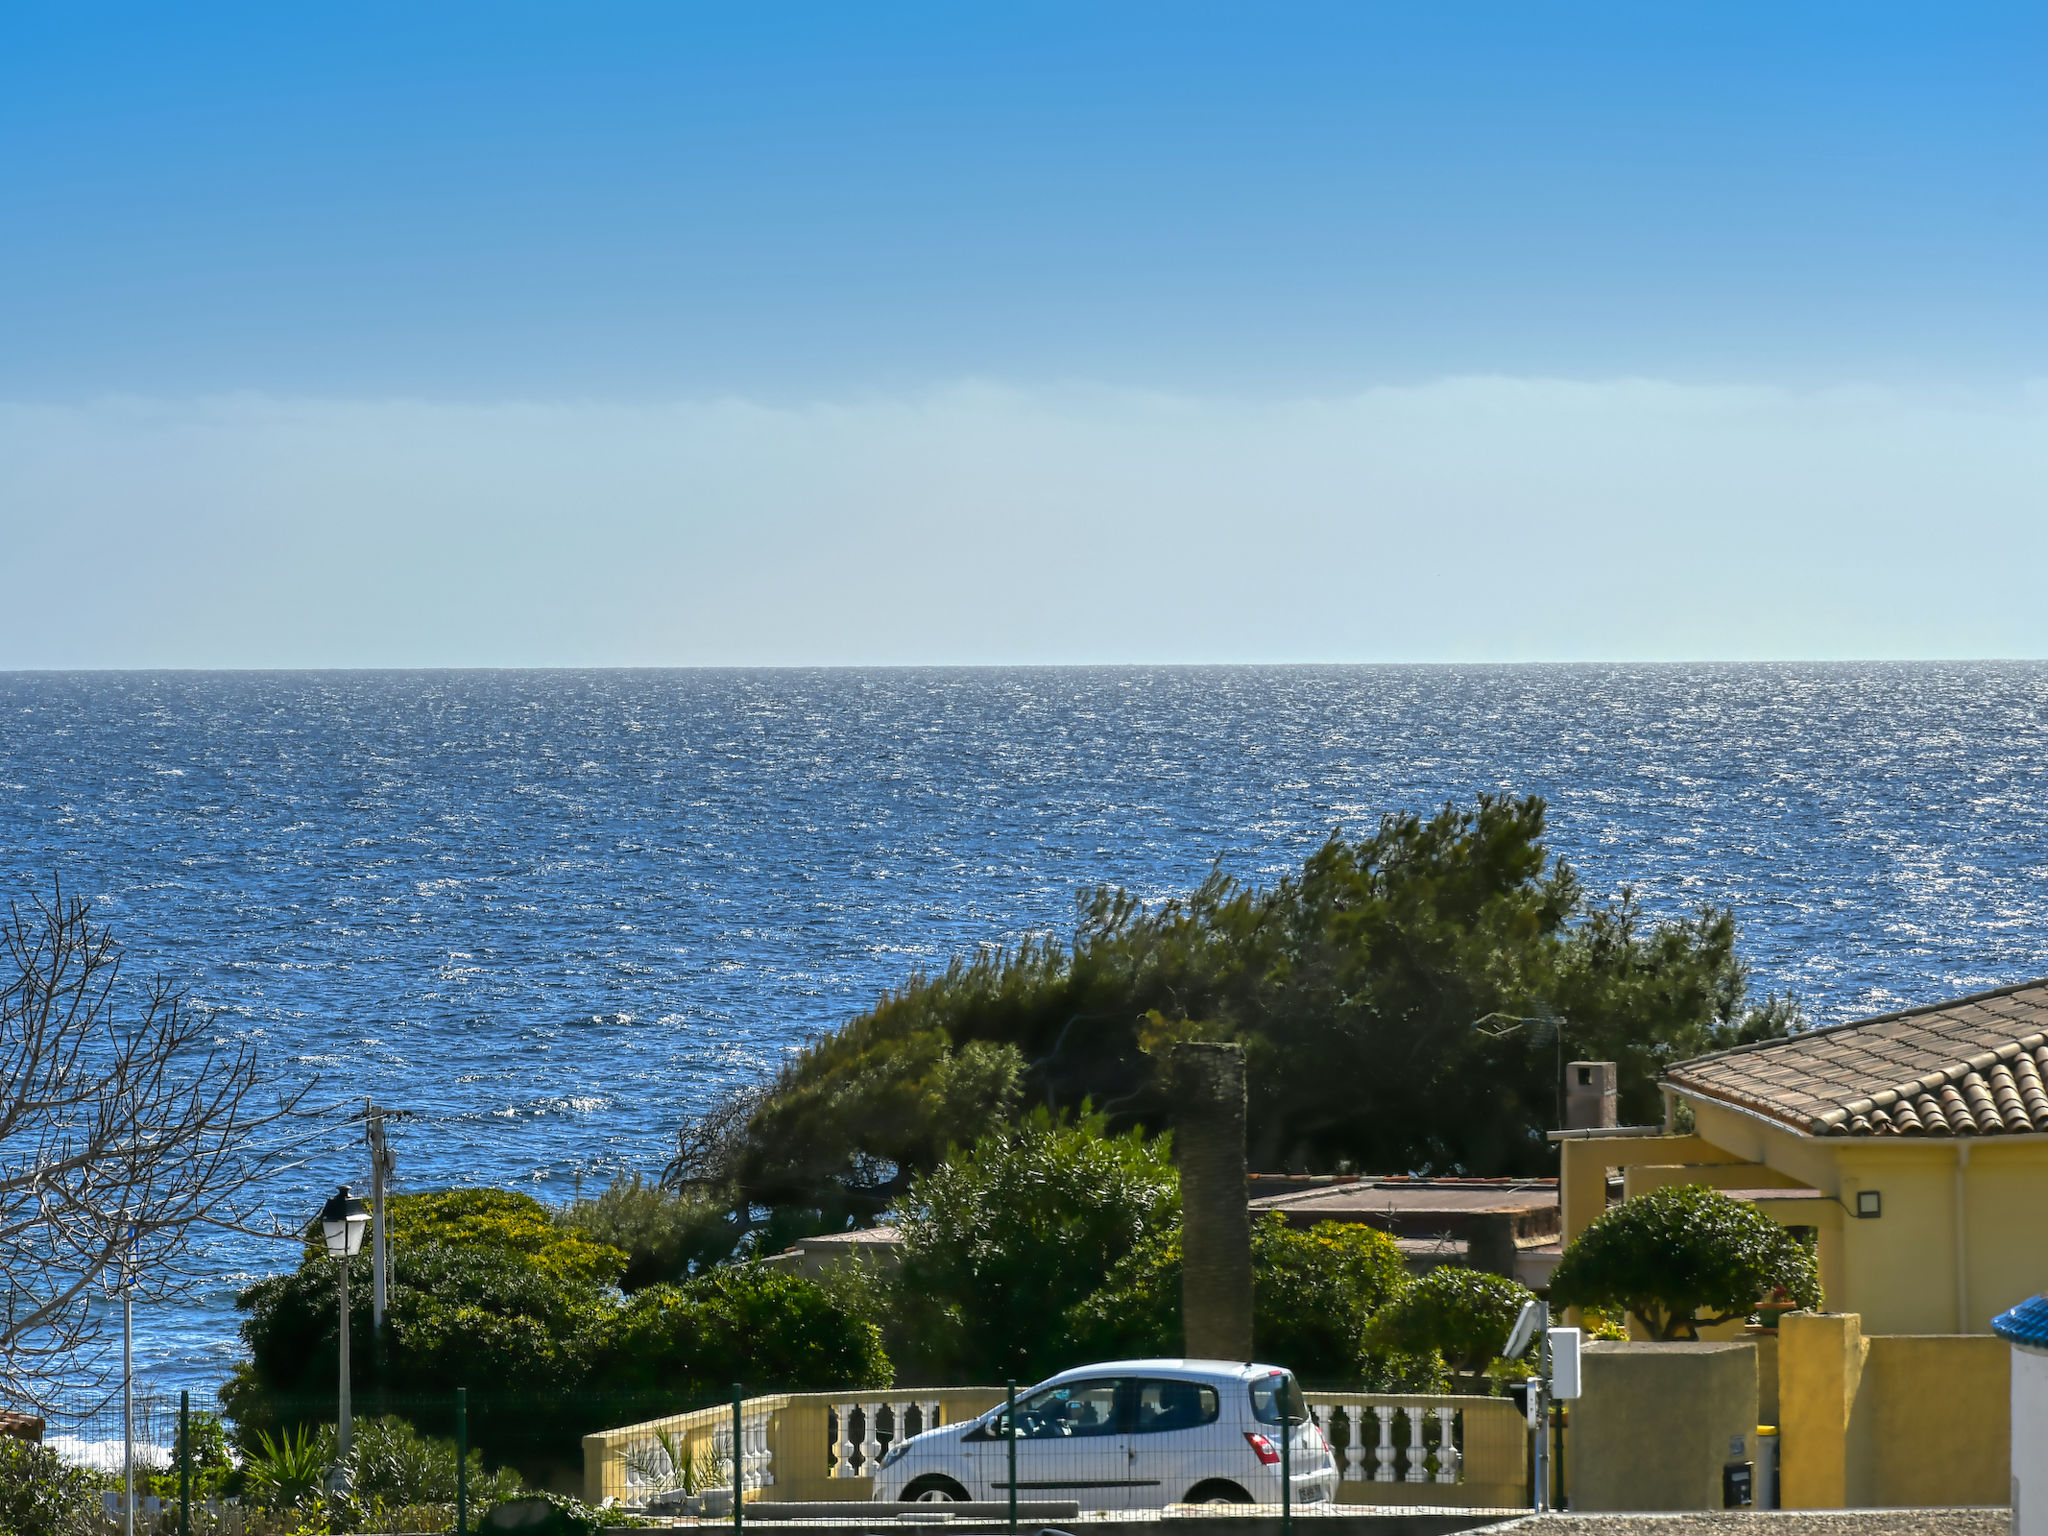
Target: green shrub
1461	1314
213	1469
740	1323
1683	1256
665	1234
41	1496
1001	1240
494	1295
396	1465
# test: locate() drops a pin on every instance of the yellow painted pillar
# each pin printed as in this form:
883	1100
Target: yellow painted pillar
1581	1183
1820	1368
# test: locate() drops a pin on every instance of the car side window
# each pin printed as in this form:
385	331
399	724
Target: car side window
1164	1405
1070	1410
1275	1395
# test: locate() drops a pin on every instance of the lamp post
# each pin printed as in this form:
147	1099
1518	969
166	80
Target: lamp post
342	1223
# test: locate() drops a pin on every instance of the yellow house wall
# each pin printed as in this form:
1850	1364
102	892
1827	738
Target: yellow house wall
2007	1215
1899	1272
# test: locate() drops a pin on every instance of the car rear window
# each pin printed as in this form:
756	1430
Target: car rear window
1163	1405
1271	1395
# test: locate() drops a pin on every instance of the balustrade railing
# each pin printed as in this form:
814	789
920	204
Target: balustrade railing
1390	1448
802	1445
1387	1444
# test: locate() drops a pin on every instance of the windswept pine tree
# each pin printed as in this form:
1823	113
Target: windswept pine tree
1405	1003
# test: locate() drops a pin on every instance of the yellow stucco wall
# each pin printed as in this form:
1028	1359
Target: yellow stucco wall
1657	1422
1891	1420
2007	1216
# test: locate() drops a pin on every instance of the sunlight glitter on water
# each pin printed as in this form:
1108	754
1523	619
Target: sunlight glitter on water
551	913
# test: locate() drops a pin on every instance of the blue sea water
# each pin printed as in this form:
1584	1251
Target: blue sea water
550	913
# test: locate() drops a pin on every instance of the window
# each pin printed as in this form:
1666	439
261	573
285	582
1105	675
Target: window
1271	1395
1071	1409
1163	1405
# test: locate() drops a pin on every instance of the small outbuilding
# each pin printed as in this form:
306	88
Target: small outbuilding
2025	1327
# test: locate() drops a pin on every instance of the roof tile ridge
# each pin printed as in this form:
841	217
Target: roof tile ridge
1848	1024
1983	1061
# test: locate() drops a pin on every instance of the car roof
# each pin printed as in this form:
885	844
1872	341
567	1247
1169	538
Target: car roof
1192	1370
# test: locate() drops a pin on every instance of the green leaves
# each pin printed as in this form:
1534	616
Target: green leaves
1001	1239
664	1233
739	1322
496	1295
42	1496
1683	1256
1461	1314
290	1469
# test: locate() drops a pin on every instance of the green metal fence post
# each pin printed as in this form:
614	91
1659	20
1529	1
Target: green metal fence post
1010	1422
184	1464
462	1461
738	1460
1286	1469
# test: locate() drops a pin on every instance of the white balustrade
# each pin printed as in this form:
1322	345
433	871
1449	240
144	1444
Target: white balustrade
851	1457
1418	1442
1447	1454
871	1441
1384	1451
757	1467
721	1454
1354	1450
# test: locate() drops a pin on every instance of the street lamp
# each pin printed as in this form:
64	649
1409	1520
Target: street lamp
342	1223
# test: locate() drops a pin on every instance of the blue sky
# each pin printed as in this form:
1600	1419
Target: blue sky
663	334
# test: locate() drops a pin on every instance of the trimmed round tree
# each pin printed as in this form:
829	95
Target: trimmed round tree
1463	1314
1683	1257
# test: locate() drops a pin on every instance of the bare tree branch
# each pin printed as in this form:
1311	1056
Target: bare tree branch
124	1140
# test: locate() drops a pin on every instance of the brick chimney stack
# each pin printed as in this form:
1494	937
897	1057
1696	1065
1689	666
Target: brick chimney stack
1589	1095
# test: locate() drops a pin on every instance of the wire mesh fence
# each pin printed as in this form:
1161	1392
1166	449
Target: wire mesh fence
88	1429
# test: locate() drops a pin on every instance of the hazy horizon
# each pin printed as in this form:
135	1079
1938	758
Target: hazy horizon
921	336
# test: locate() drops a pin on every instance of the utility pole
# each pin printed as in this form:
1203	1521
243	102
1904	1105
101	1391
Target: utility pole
382	1163
127	1402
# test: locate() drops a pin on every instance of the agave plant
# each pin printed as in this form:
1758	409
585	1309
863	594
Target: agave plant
289	1470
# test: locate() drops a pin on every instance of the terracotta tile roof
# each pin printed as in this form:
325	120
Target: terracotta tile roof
1977	1066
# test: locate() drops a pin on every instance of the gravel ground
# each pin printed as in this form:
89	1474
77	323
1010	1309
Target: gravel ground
1847	1522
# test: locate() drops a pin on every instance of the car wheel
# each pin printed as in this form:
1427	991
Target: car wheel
933	1489
1217	1491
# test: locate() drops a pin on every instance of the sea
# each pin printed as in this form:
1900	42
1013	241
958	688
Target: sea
547	915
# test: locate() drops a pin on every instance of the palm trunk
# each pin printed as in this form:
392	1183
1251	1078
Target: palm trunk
1216	1231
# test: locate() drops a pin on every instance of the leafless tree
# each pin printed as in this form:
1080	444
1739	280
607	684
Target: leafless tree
128	1130
711	1146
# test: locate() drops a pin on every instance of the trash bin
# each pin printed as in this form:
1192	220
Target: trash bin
1766	1490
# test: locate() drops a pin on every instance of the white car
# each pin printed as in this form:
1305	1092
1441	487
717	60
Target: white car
1129	1434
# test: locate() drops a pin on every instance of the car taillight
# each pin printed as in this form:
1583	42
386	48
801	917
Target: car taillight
1264	1449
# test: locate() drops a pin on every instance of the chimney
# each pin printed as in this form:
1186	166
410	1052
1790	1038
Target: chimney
1589	1095
1216	1227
